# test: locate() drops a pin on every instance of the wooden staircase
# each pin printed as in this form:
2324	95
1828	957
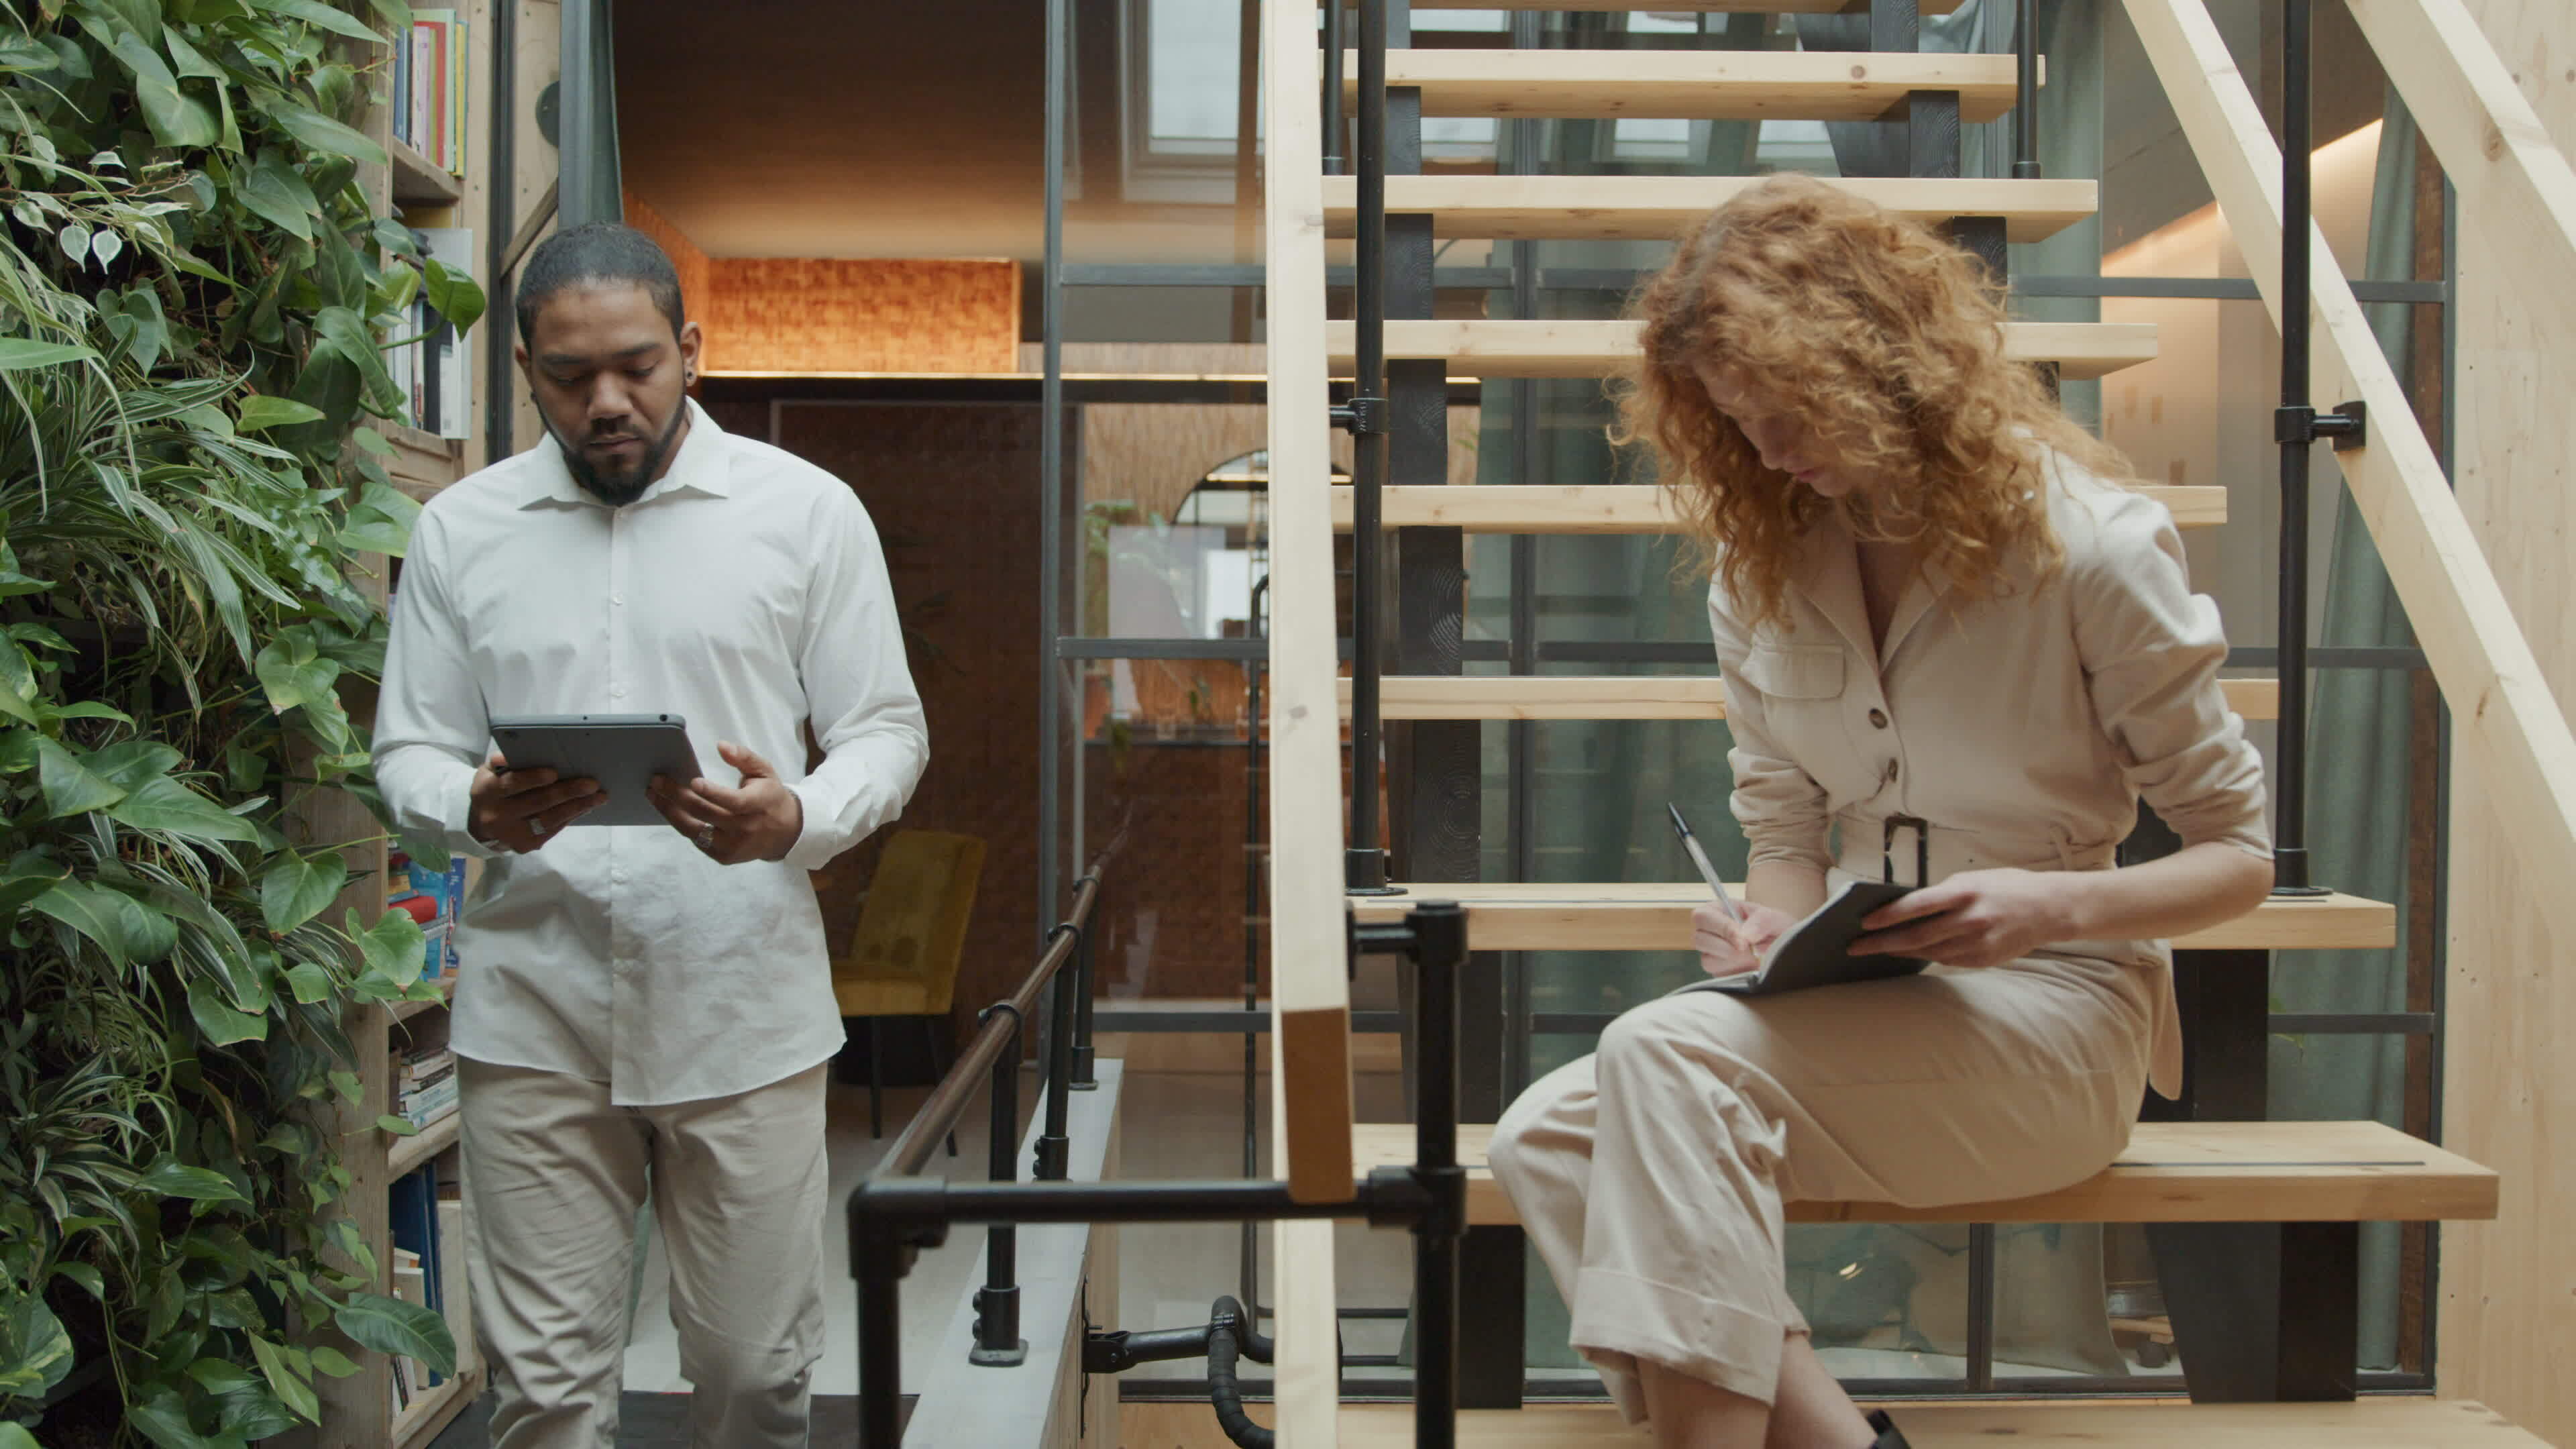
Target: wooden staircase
2220	1177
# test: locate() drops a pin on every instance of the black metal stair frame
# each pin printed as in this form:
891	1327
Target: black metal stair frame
896	1214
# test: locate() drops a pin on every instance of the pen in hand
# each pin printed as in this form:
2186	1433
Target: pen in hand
1699	858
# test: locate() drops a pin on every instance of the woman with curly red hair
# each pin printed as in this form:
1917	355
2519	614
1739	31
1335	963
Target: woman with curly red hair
1950	633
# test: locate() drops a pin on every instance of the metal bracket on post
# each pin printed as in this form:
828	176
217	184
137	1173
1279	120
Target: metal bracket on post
2347	427
1361	416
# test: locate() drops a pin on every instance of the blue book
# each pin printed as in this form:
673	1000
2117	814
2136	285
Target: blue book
412	1215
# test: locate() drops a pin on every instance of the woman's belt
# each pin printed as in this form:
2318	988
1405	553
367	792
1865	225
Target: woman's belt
1911	851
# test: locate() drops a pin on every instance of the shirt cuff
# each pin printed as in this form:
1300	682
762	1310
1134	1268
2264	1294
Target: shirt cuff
459	820
818	837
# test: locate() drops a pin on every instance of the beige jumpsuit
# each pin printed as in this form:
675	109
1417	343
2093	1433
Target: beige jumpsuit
1650	1175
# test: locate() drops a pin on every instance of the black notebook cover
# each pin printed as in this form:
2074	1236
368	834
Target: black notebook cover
1817	950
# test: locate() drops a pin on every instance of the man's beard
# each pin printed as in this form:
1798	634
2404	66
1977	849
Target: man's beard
620	490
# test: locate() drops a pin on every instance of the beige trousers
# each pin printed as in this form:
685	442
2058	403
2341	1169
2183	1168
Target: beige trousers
556	1176
1650	1175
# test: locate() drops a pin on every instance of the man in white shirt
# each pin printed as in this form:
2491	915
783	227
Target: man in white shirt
645	1004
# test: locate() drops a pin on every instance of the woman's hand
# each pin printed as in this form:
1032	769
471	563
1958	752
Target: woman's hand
1728	947
1975	918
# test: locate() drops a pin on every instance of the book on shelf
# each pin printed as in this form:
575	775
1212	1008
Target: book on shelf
412	1218
453	1291
438	375
430	66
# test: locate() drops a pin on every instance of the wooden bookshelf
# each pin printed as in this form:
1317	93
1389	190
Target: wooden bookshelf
359	1412
417	180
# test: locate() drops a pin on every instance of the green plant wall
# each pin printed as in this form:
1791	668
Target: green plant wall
194	291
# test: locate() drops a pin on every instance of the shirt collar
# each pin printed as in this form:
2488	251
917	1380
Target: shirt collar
700	467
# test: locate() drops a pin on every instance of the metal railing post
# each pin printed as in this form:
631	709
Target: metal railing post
2295	426
2026	91
1364	863
1054	1148
1440	947
1085	1079
997	1304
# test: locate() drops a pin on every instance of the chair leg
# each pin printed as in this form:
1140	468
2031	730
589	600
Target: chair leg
938	1068
876	1079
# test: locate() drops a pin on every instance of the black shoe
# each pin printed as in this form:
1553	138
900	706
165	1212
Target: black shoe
1888	1437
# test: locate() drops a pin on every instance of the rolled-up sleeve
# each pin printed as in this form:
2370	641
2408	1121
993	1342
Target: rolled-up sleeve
865	713
2151	650
1782	808
432	725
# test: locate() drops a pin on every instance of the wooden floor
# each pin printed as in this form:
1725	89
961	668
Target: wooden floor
2370	1424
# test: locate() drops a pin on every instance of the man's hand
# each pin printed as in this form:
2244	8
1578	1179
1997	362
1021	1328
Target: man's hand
762	820
520	810
1975	918
1728	947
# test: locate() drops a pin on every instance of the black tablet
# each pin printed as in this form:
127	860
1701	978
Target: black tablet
623	752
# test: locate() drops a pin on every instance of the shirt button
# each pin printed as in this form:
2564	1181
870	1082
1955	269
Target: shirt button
617	877
619	692
1878	717
618	599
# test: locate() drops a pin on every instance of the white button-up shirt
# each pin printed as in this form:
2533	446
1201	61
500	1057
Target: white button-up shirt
744	591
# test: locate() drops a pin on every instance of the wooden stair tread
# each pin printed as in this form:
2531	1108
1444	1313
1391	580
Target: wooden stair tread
2172	1172
1624	507
1629	696
1660	208
1729	85
1656	916
1489	348
2374	1423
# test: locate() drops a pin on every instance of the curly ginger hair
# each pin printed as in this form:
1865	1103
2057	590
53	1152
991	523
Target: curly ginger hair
1887	342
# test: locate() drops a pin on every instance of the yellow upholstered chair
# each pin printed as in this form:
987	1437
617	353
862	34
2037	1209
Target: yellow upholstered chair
903	958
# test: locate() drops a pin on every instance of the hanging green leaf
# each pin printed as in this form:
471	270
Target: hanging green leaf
347	334
176	119
103	916
316	13
391	948
129	764
172	1178
168	807
161	1415
273	190
389	1325
453	293
309	983
293	672
259	411
70	788
295	889
220	1021
320	132
86	1276
295	1389
381	523
17	353
35	1350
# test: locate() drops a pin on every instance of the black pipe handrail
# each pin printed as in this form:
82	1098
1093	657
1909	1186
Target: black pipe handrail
1364	863
2294	426
2026	91
949	1100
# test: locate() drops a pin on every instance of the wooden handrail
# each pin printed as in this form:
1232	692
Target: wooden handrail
1310	1084
2515	187
2507	723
